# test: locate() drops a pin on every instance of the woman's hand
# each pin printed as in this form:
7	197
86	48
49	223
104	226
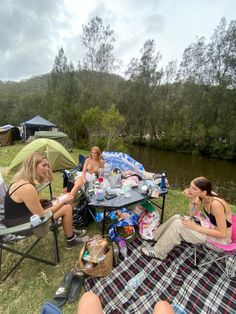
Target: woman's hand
186	193
190	224
69	198
65	199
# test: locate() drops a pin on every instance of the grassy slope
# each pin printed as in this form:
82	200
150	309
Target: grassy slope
34	283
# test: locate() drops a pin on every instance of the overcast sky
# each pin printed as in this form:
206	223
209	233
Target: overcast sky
32	31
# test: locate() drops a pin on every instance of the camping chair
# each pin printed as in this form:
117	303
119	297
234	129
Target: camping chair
47	223
225	252
68	176
82	159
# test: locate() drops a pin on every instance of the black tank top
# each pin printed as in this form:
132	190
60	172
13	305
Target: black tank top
212	217
15	213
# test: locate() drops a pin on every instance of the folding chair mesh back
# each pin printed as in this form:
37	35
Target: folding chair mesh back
82	160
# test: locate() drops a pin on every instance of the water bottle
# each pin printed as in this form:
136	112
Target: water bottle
118	179
163	181
107	170
134	282
122	247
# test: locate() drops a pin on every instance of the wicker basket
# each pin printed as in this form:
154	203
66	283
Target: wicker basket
102	269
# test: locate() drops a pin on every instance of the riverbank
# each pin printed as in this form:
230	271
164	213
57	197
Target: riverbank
220	151
182	168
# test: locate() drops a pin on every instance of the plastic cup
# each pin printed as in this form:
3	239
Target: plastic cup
127	191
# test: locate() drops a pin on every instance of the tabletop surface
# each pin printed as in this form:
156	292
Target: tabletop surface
119	201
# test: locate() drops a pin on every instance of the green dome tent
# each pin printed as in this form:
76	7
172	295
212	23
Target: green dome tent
56	153
60	137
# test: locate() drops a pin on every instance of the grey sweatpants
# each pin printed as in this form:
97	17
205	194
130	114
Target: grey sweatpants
172	232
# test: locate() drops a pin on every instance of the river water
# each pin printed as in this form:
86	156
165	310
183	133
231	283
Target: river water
182	168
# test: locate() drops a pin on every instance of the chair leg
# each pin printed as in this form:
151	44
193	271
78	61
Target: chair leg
27	255
55	237
0	261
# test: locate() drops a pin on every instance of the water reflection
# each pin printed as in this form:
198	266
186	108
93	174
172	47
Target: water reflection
182	168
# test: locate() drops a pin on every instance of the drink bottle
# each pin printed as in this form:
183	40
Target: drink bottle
134	282
122	247
118	179
163	181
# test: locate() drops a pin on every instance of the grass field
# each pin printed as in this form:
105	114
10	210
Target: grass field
34	283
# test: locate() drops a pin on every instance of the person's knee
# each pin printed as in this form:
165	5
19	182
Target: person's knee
177	217
89	302
162	307
89	298
177	224
66	210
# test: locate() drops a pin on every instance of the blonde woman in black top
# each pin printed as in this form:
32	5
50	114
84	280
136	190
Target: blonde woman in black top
22	199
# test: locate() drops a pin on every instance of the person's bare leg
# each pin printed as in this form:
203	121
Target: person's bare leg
163	307
66	213
89	304
77	185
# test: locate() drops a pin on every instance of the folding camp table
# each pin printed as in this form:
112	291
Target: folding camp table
122	201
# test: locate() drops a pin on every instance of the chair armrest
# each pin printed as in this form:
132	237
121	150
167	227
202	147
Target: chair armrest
26	226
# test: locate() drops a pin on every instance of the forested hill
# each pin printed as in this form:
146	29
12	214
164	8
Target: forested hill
36	84
39	84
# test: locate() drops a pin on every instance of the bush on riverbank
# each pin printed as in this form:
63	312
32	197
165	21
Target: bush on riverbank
214	149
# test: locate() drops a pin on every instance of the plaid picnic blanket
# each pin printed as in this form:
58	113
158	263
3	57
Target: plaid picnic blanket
175	280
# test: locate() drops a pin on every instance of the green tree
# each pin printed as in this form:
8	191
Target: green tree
144	78
222	54
112	124
63	95
92	120
98	40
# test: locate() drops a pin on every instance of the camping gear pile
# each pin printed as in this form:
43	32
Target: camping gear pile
145	216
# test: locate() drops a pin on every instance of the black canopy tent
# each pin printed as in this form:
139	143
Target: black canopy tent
36	124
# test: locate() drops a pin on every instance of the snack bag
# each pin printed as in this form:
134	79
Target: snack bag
148	223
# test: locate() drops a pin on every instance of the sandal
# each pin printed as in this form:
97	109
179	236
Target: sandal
62	293
76	286
150	253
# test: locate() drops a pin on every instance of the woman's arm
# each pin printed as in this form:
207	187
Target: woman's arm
220	231
29	196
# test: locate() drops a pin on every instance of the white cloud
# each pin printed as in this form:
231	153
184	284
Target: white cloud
32	31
